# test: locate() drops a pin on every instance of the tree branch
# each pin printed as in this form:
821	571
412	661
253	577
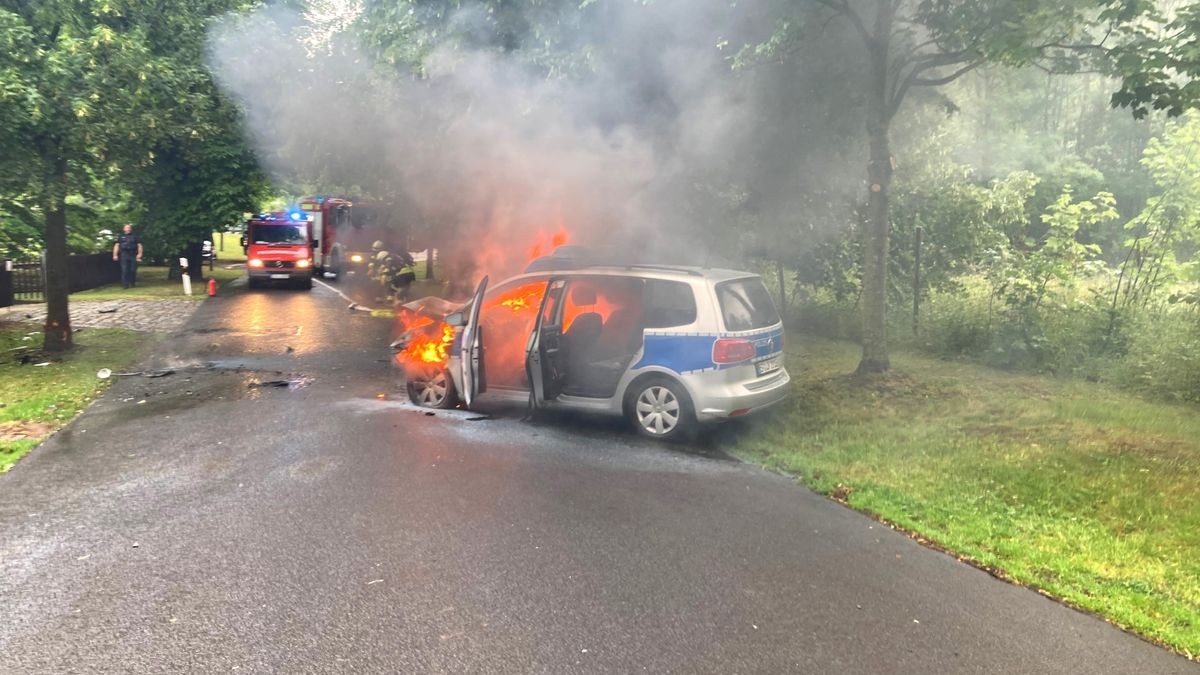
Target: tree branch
939	81
914	80
843	7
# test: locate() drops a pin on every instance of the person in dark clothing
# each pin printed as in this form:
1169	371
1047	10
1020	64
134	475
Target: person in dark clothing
128	252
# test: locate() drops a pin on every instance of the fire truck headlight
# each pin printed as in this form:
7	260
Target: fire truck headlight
255	262
356	258
303	264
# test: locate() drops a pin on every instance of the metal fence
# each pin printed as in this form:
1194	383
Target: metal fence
22	282
26	281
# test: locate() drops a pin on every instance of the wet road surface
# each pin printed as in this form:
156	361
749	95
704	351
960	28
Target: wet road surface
199	522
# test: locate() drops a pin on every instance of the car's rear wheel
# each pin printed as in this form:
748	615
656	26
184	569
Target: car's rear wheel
659	408
431	387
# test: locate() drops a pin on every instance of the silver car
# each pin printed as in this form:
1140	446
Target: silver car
667	347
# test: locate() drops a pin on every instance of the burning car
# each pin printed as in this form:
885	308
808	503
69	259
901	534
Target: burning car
667	347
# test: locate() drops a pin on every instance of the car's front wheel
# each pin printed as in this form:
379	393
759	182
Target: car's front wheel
431	387
660	408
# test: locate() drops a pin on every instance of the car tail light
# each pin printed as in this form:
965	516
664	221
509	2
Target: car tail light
728	350
255	262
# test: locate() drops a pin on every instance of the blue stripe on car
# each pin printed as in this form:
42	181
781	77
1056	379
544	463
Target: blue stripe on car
692	352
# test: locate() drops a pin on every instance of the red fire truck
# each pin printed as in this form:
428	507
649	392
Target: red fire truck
279	247
344	230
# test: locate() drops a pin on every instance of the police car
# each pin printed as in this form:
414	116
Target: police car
668	347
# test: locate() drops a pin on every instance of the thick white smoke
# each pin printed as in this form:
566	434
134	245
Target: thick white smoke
648	143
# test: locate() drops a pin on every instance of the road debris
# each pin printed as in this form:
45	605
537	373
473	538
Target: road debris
104	373
148	373
107	310
269	383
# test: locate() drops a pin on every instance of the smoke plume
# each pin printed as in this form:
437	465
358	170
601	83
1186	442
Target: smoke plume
633	132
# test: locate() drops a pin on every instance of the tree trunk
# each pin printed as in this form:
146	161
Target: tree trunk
875	234
57	336
783	303
194	252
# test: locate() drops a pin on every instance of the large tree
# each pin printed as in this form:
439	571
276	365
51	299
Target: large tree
88	90
198	183
911	45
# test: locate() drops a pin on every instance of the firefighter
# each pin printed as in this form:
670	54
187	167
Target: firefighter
396	271
406	274
128	252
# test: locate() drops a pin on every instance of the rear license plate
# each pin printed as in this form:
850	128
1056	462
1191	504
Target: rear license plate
768	365
279	276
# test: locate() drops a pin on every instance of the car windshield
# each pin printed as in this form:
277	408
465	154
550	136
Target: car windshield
279	234
746	305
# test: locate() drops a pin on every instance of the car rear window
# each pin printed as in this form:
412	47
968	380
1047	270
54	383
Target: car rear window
746	305
668	304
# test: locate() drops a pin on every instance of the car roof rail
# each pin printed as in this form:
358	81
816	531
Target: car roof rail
667	268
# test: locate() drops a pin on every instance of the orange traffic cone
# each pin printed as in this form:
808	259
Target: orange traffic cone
212	287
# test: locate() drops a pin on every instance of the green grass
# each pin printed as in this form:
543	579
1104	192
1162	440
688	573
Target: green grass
1075	488
232	251
152	284
48	397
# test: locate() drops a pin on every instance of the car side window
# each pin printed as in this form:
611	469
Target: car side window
668	304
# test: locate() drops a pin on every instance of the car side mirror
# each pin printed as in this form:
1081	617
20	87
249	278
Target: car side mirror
456	319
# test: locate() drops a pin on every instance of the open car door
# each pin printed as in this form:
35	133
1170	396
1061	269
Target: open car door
543	355
471	350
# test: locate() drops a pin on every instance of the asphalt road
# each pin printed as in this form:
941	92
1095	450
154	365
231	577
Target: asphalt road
222	526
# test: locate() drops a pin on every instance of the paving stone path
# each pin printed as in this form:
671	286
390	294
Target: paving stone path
149	316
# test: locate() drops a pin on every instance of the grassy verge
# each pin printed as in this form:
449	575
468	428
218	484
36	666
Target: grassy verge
36	400
152	284
1068	486
231	250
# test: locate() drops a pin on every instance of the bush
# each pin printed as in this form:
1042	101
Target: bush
955	326
824	315
1163	356
1153	351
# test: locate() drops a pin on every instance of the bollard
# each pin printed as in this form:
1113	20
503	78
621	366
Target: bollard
187	279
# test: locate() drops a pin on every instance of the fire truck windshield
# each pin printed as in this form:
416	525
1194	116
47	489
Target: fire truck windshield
278	234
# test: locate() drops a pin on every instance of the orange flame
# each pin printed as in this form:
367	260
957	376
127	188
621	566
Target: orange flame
516	304
545	244
425	348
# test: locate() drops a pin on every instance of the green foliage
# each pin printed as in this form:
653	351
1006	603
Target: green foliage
1060	255
1156	56
1170	223
197	183
961	220
1163	354
89	92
